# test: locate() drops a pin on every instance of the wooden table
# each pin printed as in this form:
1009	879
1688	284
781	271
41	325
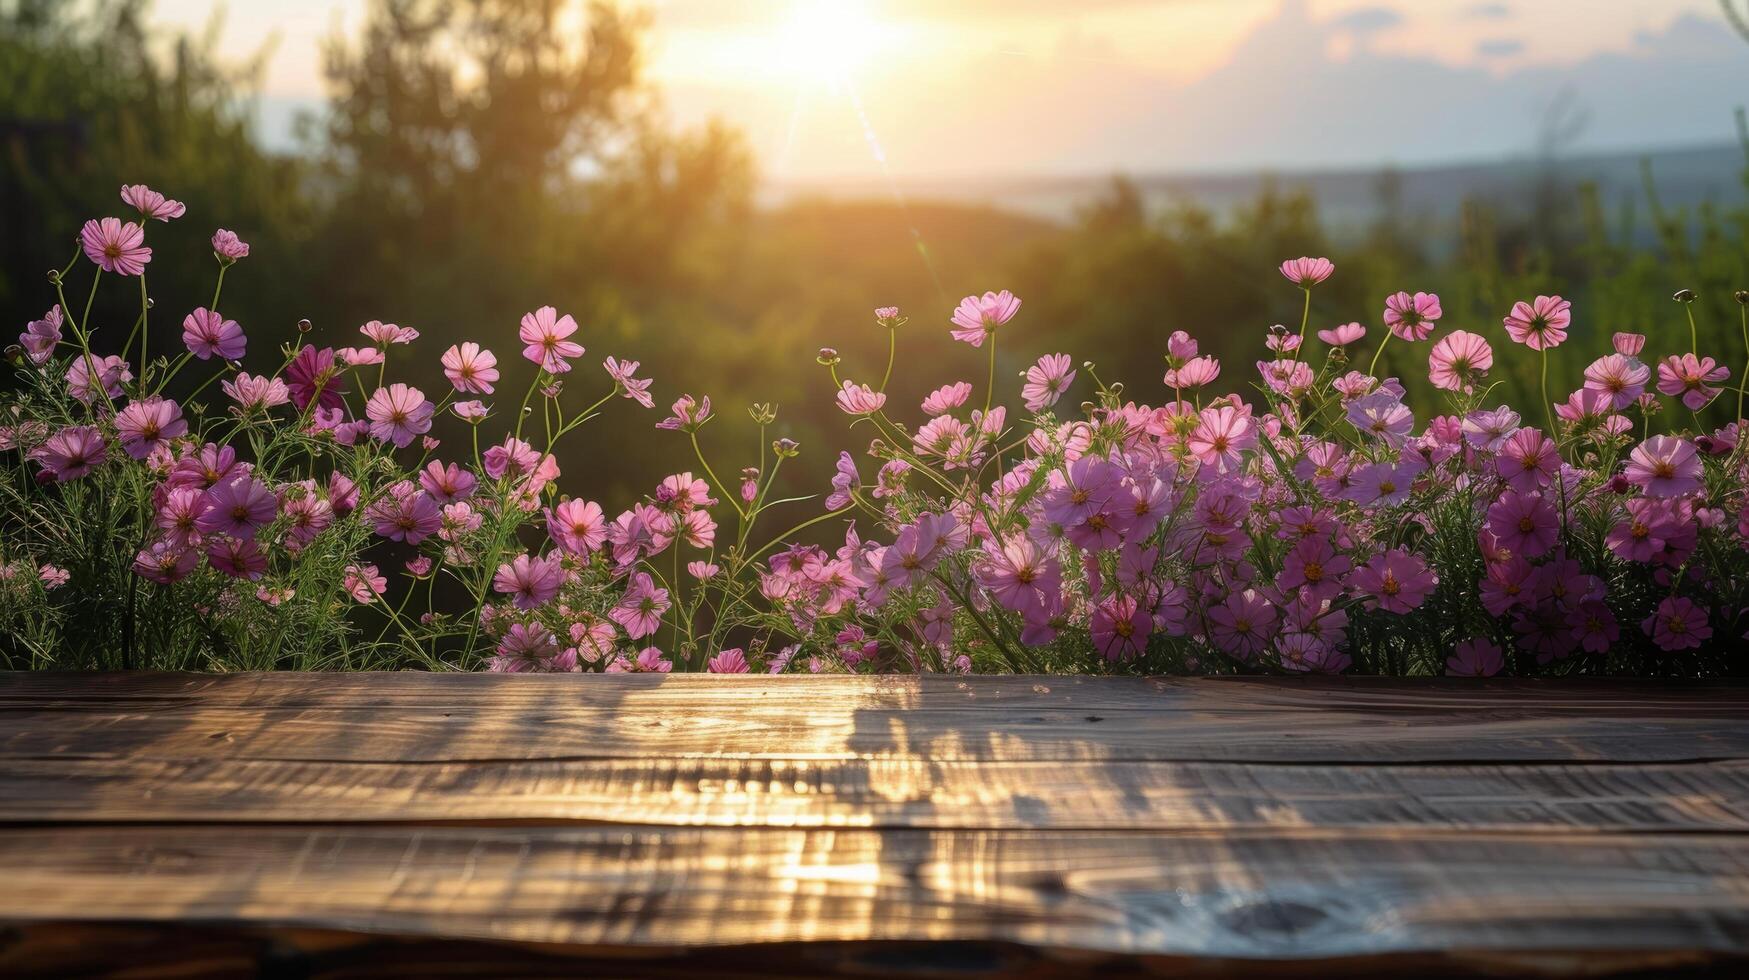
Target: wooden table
378	824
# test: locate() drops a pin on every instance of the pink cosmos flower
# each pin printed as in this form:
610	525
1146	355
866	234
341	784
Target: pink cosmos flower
253	393
732	660
529	648
1457	359
688	414
1243	624
150	203
409	515
979	316
1527	460
1312	564
1395	581
237	557
163	562
1476	657
1540	324
1679	624
383	334
228	247
470	368
1381	484
1691	377
1594	626
237	508
1620	377
1022	577
532	582
306	515
578	527
206	334
86	373
1194	373
398	413
639	611
71	453
1343	335
40	337
1307	272
544	333
1585	409
149	424
1222	435
1664	466
363	583
1046	381
1383	415
855	399
1650	524
845	481
313	376
1628	344
636	389
1412	317
1120	628
1524	523
648	661
116	246
447	483
947	398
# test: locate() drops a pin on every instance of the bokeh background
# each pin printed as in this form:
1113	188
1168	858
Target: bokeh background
718	188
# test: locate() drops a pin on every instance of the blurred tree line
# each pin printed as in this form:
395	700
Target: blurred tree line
484	157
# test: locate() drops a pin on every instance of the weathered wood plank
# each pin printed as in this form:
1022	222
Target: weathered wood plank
895	792
414	717
1301	894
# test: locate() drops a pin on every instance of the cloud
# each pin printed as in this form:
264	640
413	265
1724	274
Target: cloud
1499	48
1367	20
1488	11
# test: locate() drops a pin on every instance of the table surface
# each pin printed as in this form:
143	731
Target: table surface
376	824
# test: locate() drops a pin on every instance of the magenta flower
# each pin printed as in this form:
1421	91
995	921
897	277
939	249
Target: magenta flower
408	515
1540	324
1527	460
447	483
1477	657
206	334
732	660
639	611
578	527
1691	377
116	246
237	508
1412	317
544	332
1313	565
1120	627
978	316
1383	415
164	562
90	378
40	337
313	376
1620	377
845	481
1664	466
1457	359
470	368
1343	335
1650	524
530	648
150	203
1307	272
1046	381
855	399
1524	523
398	413
253	393
382	334
237	557
532	582
1395	581
149	424
1594	626
1022	577
228	247
1222	435
1678	624
1243	624
71	453
363	583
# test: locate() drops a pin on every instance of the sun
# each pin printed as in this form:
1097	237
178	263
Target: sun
828	40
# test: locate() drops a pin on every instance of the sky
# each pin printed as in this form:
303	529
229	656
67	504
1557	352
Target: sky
827	89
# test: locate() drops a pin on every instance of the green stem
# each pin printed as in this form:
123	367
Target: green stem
1693	332
1372	368
1305	317
990	386
892	349
1548	406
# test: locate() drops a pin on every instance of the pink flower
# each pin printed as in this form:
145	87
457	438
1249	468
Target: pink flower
855	399
398	413
447	484
1692	378
639	611
689	414
1412	317
732	660
1527	460
1457	359
470	368
237	557
1395	581
1221	437
205	333
648	661
1046	381
1594	626
363	583
253	393
1477	657
382	334
150	203
148	424
1628	344
1343	335
470	410
1524	523
1022	577
1679	624
228	247
1650	524
116	246
86	373
71	453
529	648
1541	323
408	515
1382	414
533	582
947	398
1194	373
1664	466
313	376
578	527
164	562
1120	627
1312	564
636	389
1307	272
845	481
1243	624
979	316
544	333
1620	377
52	577
238	508
41	336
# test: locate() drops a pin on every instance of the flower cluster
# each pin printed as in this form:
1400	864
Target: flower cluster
1319	526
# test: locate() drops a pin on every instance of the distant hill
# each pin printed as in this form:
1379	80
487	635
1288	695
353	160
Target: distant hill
1347	199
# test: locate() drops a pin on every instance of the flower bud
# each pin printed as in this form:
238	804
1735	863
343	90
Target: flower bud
1684	296
1742	296
303	326
827	357
786	447
762	413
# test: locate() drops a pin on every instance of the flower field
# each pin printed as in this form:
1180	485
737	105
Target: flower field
164	508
